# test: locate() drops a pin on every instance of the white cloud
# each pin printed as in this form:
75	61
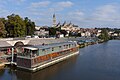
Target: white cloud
108	12
103	16
48	8
43	10
54	7
65	4
76	16
60	6
76	13
40	4
16	1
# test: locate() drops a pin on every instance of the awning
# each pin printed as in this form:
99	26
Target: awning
30	48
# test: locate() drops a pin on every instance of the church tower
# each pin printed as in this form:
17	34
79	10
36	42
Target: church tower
54	20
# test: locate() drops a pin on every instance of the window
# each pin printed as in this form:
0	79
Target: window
43	49
52	49
69	45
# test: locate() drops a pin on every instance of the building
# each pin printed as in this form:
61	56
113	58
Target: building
42	32
68	27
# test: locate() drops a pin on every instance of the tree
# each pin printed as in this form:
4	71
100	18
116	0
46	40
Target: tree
104	35
30	26
3	20
52	31
15	26
2	29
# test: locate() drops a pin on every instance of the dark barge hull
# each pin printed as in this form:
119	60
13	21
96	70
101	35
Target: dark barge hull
52	62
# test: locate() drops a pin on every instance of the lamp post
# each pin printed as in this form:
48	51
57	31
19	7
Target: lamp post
12	55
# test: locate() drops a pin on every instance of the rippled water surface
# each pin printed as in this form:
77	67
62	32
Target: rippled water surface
95	62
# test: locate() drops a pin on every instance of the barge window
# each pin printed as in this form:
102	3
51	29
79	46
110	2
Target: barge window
59	46
52	49
69	45
72	45
43	49
64	46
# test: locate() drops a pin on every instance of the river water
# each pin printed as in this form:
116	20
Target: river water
95	62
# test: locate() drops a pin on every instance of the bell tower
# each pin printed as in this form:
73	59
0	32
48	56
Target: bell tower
54	20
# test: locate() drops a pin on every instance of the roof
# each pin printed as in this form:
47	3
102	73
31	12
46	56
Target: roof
47	46
52	45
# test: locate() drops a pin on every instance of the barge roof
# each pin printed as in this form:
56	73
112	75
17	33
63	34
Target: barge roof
47	46
52	45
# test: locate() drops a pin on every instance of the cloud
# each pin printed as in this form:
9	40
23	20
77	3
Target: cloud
65	4
76	13
40	4
42	11
102	16
16	1
75	16
48	8
108	12
60	6
54	7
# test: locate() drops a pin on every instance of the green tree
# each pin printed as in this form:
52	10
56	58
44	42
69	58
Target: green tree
2	29
30	26
15	26
52	31
3	20
104	35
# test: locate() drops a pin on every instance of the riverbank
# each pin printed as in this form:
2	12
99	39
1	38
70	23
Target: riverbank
85	43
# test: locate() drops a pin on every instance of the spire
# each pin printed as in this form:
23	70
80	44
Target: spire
54	20
64	23
54	15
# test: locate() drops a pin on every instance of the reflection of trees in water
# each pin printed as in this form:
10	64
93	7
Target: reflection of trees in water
2	72
7	74
48	73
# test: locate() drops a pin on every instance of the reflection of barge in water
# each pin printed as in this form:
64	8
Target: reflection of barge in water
34	58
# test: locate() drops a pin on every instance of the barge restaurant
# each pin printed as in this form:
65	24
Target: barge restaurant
34	58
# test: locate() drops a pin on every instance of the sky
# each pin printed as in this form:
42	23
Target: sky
84	13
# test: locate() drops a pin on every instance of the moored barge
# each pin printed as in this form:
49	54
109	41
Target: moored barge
34	58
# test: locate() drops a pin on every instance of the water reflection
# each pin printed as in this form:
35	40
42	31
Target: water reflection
8	74
47	73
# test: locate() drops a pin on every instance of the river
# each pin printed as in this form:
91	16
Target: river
95	62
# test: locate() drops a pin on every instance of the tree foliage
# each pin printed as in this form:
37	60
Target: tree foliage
30	26
52	31
2	29
104	35
17	26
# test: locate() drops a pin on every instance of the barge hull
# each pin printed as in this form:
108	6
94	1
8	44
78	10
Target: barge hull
48	64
